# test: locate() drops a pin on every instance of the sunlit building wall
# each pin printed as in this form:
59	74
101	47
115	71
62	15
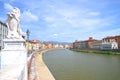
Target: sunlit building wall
3	33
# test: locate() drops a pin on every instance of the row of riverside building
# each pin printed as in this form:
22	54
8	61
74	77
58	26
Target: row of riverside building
107	43
33	45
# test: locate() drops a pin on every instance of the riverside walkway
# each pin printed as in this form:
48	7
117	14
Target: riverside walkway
38	69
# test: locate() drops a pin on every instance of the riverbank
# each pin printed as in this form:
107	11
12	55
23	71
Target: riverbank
43	73
96	51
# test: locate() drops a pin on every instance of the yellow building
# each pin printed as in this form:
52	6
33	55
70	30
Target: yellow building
29	45
35	44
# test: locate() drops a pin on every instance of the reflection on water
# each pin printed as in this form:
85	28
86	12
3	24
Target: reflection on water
68	65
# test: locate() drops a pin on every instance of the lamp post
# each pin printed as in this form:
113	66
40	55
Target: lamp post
28	34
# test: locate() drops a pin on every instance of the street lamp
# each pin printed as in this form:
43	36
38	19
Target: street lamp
28	34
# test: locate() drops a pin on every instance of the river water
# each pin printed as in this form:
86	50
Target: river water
68	65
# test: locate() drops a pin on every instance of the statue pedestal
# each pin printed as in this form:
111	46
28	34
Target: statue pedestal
14	52
14	59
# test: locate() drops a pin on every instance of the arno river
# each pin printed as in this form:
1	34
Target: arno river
68	65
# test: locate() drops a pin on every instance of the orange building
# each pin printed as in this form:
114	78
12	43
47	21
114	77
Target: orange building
84	44
48	45
90	41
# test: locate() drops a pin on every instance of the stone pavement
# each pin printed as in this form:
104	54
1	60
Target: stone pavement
39	70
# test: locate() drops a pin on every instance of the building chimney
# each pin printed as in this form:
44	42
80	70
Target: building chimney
76	40
90	38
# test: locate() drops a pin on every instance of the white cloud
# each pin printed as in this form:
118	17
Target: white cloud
49	19
94	13
84	19
67	13
27	16
90	22
55	35
8	7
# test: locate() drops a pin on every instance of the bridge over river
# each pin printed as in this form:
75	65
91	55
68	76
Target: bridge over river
68	65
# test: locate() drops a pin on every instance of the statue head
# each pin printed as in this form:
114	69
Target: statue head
15	13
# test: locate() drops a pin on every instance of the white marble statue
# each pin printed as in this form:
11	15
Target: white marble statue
14	31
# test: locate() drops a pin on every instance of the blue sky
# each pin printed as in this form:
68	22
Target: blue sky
66	20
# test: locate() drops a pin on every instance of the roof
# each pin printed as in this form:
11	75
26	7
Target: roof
3	23
35	41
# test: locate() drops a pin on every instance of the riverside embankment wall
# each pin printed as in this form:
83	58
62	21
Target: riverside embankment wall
43	73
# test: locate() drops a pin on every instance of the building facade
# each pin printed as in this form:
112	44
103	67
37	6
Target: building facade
76	44
96	44
117	38
3	33
86	44
110	42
